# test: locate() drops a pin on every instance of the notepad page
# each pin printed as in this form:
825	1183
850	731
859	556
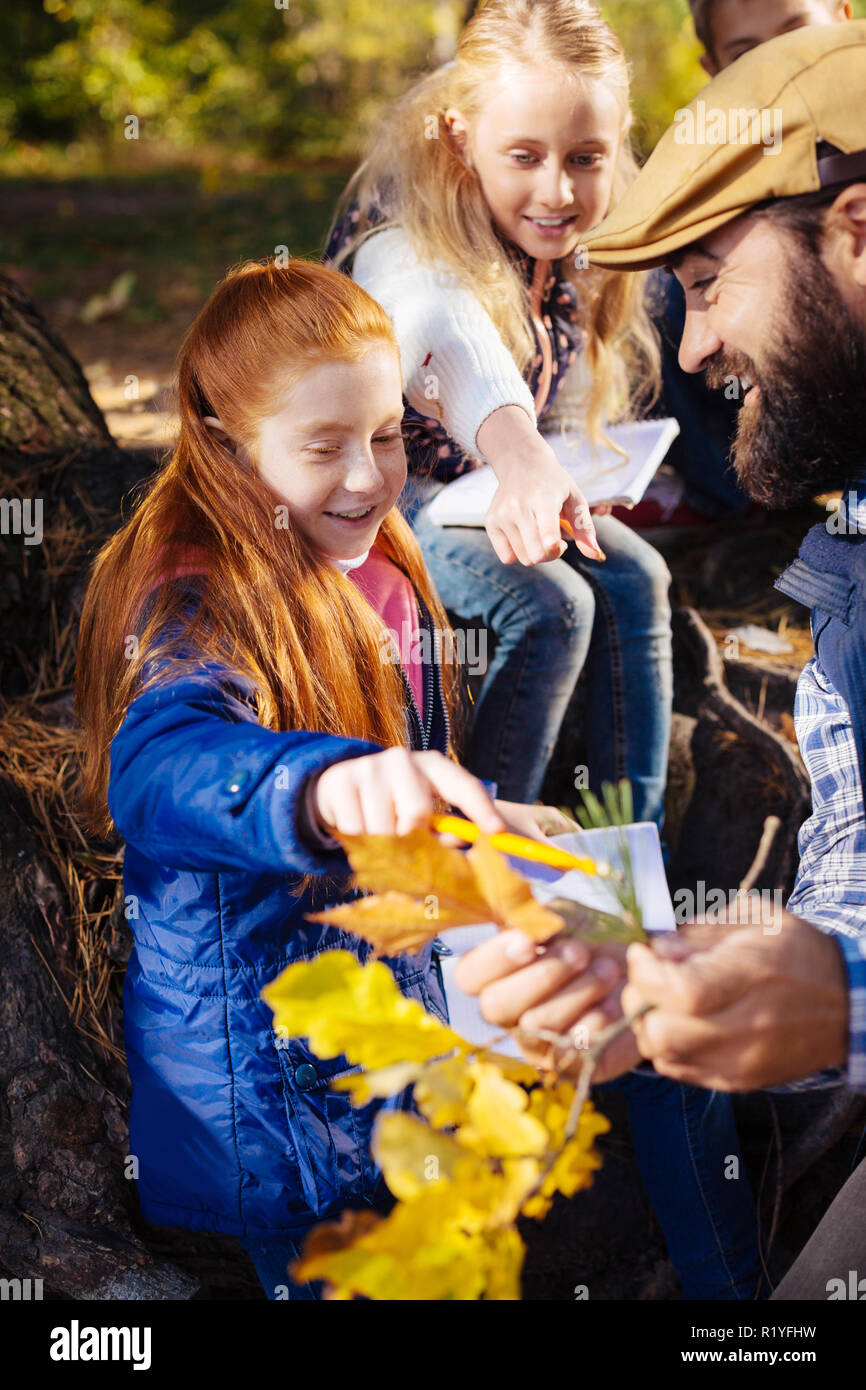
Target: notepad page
652	893
602	474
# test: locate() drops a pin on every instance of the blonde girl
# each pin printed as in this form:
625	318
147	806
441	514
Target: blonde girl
465	222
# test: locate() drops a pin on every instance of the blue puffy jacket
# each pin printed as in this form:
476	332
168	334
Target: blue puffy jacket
235	1129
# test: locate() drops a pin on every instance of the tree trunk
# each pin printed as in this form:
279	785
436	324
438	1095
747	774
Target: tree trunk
45	404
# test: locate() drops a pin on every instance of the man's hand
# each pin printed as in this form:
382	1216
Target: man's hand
535	822
737	1008
564	986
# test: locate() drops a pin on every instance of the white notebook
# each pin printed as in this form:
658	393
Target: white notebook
652	893
601	473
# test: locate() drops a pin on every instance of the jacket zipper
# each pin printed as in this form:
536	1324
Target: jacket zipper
432	688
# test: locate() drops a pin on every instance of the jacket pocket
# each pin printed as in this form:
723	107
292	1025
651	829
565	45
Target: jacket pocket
431	986
323	1126
331	1136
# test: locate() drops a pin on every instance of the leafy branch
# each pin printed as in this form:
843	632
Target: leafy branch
493	1138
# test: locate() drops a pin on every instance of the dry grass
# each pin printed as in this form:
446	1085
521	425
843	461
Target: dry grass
42	761
41	757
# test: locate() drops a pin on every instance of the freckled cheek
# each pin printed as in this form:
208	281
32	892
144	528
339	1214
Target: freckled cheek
306	497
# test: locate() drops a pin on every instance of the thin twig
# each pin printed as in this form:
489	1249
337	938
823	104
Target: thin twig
581	1093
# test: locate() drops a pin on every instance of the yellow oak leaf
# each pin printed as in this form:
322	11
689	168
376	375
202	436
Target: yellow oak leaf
513	1068
417	1252
506	1253
575	1163
497	1120
493	1192
508	894
442	1090
364	1086
421	886
342	1006
412	1155
417	864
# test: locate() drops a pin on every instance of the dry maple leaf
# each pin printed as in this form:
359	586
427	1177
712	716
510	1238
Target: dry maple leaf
393	922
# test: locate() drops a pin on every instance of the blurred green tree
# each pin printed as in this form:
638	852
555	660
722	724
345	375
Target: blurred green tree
300	81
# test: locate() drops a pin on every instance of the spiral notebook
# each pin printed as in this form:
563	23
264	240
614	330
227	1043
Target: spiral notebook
652	893
602	474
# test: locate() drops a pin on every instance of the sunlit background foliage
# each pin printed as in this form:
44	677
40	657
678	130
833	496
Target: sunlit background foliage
283	81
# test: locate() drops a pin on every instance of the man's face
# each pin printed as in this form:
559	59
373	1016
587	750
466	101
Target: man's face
739	25
774	328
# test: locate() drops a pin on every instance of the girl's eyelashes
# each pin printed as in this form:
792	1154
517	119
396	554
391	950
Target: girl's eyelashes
590	160
326	450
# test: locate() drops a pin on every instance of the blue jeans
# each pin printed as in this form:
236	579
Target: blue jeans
550	621
687	1146
271	1258
685	1140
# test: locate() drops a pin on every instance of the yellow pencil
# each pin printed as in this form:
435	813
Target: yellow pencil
569	531
519	846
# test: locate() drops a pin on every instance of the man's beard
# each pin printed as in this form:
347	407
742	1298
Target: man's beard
806	434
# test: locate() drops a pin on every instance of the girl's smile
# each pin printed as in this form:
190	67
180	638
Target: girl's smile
554	228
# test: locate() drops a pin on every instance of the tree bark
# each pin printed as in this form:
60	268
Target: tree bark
45	402
68	1213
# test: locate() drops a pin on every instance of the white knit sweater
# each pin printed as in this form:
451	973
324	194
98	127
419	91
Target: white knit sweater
451	353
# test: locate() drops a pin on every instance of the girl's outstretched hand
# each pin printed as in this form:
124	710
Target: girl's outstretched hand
534	494
393	792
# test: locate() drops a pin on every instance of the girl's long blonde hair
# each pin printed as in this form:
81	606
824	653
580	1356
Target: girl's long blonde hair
438	201
270	608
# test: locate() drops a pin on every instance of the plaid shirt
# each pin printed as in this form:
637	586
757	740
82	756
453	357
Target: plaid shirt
830	890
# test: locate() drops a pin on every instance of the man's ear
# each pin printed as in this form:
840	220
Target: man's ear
216	428
848	218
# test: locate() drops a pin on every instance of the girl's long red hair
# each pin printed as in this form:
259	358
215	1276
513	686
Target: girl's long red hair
270	608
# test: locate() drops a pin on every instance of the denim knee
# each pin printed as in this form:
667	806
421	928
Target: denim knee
547	599
634	568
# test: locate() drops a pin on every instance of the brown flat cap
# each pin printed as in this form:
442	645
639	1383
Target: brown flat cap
759	130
